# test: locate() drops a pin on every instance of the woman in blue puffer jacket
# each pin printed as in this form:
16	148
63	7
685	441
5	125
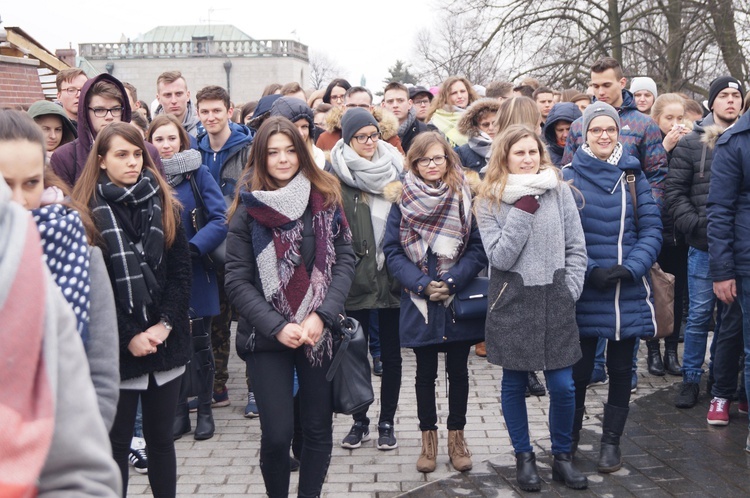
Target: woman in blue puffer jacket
622	245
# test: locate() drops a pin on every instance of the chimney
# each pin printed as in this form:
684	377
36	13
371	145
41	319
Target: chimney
67	55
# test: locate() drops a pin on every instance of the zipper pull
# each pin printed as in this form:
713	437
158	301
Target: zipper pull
356	201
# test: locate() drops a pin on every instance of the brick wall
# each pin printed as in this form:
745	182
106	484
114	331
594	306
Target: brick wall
19	82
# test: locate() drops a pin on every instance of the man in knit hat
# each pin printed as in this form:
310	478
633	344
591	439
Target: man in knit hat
644	91
687	190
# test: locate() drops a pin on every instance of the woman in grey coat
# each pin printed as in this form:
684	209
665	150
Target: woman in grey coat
532	234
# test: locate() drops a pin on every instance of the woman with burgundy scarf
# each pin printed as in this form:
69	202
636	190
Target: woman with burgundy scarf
289	267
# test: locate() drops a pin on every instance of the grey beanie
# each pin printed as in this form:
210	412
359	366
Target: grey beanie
354	120
599	109
643	83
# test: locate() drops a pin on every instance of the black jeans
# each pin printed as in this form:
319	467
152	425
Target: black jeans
456	364
390	355
729	344
273	381
673	259
619	367
158	405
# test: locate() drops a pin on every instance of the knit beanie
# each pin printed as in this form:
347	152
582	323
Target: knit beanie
643	83
293	109
599	109
720	84
354	120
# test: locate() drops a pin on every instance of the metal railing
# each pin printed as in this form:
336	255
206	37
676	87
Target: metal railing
195	48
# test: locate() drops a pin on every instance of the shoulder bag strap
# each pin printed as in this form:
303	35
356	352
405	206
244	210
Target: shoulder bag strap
630	179
196	192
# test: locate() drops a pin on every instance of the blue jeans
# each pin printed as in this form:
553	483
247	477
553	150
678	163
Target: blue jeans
599	360
743	295
702	301
561	410
374	334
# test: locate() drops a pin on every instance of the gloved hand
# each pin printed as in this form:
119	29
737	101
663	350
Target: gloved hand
599	278
194	252
527	203
619	272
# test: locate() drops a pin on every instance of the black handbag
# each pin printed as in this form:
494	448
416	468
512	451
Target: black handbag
214	260
470	303
349	373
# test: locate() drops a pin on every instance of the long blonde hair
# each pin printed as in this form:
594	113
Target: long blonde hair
441	101
518	111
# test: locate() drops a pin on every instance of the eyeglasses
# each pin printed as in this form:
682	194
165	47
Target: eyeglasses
597	132
425	161
352	106
101	112
71	90
422	102
337	98
362	139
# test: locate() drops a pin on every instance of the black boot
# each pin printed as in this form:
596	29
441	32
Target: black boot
526	472
671	361
655	364
610	459
577	425
182	415
564	471
535	387
203	356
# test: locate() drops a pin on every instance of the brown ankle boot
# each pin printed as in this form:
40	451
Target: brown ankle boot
480	350
458	451
428	458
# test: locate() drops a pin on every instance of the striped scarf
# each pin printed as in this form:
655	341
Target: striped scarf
135	284
277	242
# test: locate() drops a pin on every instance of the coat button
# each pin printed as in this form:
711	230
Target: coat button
445	338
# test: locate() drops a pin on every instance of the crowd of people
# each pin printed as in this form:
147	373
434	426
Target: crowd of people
151	232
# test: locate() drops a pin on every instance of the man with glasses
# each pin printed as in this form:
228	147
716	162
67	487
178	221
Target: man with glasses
69	83
396	99
359	97
103	100
421	98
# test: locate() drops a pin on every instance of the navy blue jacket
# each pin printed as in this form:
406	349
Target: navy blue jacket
204	298
562	111
728	208
612	237
441	327
470	159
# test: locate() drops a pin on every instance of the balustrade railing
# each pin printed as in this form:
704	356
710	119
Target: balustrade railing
195	48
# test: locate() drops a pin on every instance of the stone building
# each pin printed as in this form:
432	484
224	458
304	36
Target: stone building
206	55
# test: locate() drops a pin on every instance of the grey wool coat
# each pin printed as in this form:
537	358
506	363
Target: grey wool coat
537	268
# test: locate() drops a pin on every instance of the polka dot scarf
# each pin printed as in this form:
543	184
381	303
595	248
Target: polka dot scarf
67	256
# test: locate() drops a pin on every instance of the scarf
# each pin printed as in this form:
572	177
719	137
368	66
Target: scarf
410	118
447	123
66	253
277	241
613	158
371	177
519	186
435	218
177	166
134	282
481	144
27	397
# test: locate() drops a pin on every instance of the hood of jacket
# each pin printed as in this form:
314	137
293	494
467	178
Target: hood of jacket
240	137
467	125
393	190
562	111
601	173
387	122
45	108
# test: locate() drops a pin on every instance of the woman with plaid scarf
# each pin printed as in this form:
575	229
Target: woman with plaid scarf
433	248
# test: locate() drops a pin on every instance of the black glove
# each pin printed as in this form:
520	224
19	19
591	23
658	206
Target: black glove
194	252
619	272
599	279
527	203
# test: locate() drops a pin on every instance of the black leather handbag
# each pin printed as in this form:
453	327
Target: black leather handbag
349	373
214	260
470	302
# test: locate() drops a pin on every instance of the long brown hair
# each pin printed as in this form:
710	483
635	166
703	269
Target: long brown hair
441	101
518	111
85	188
255	175
493	186
418	149
163	120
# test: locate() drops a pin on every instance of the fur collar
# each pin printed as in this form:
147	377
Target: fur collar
466	125
386	121
711	134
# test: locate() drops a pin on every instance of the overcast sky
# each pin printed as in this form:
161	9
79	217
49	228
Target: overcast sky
364	38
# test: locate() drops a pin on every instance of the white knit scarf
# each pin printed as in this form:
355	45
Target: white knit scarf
519	186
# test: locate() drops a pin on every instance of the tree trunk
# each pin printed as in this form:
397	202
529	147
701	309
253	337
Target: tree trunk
722	15
615	29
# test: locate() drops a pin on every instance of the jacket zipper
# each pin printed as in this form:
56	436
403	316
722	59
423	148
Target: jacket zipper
505	284
356	202
623	210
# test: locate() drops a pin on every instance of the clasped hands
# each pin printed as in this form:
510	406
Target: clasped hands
604	278
437	291
145	343
294	335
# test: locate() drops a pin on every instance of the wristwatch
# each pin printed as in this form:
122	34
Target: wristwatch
164	321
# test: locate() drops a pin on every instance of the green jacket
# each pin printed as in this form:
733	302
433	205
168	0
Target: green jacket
371	289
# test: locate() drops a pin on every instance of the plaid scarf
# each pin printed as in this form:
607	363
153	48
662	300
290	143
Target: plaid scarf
177	166
277	241
435	218
66	253
134	282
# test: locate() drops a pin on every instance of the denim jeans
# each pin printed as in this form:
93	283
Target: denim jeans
743	295
702	301
374	334
599	359
561	410
728	342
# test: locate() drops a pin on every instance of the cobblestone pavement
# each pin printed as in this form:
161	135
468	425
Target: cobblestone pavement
667	451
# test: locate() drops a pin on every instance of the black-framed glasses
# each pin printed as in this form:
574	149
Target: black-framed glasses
597	132
71	90
101	112
362	139
425	161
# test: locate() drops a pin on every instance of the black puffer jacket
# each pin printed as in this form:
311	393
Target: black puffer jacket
688	179
412	131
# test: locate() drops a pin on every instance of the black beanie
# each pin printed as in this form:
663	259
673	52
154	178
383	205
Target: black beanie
354	120
720	84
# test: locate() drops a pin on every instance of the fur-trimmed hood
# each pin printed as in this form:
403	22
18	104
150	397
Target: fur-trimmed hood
393	190
387	122
467	125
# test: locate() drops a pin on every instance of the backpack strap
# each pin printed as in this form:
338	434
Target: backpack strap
630	179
